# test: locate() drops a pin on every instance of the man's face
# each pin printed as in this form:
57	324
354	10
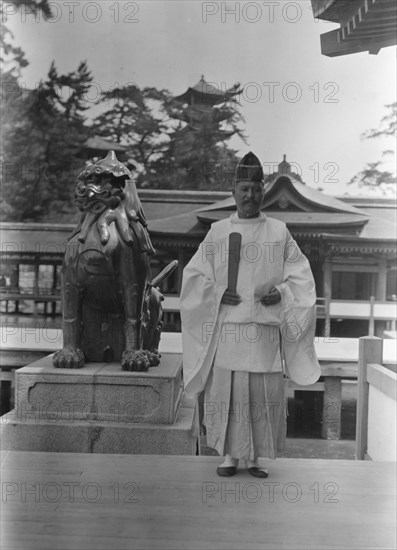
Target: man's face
248	196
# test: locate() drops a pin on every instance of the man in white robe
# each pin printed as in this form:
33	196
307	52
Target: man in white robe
232	338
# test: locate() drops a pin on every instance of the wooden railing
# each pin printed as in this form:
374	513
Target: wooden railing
29	293
43	294
53	295
376	403
370	310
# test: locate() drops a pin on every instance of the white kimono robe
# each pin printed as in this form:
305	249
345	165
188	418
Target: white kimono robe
244	338
269	256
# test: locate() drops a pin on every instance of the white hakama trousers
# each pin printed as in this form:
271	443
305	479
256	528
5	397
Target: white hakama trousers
245	413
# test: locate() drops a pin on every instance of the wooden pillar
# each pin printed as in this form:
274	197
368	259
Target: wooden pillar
327	293
15	284
181	265
380	294
331	428
54	288
370	351
381	281
36	287
282	420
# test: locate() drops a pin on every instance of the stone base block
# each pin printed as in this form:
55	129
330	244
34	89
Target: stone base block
101	409
100	391
180	438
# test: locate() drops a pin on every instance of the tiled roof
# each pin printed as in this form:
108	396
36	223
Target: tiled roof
364	26
298	205
206	93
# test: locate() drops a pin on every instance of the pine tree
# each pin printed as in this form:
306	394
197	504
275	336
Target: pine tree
373	176
12	58
175	151
43	132
12	61
135	117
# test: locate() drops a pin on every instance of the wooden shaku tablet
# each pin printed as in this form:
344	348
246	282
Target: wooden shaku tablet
234	260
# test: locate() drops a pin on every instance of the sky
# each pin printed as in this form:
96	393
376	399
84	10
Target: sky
296	101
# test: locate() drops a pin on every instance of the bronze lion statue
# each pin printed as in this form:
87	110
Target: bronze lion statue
111	307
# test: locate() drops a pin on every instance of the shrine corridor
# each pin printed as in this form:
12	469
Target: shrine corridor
93	501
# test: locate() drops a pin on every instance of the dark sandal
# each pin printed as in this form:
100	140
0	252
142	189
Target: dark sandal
258	472
226	471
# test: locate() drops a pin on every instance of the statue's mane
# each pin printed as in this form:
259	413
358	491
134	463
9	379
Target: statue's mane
115	201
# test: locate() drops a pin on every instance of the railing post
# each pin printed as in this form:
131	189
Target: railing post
327	293
371	322
327	322
370	351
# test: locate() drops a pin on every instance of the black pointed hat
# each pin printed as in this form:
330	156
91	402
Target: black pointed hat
249	169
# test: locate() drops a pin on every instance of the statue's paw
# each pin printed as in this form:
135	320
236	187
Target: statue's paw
135	360
154	358
68	358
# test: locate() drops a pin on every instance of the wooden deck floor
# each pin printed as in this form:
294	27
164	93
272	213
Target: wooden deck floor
80	501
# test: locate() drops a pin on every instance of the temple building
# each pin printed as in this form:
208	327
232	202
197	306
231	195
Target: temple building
203	103
350	243
365	25
206	93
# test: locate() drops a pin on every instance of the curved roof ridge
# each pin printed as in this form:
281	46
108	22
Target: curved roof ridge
315	196
308	194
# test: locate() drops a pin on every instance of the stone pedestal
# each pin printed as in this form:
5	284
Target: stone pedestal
101	409
332	409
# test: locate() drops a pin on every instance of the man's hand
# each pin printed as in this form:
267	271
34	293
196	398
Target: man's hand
272	297
230	298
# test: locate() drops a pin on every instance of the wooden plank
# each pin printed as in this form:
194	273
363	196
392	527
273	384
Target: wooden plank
336	267
345	350
19	358
341	370
356	309
337	349
383	379
370	351
317	386
160	502
385	310
30	297
171	304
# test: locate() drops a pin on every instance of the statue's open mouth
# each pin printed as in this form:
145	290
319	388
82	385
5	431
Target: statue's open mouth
91	190
89	194
96	190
